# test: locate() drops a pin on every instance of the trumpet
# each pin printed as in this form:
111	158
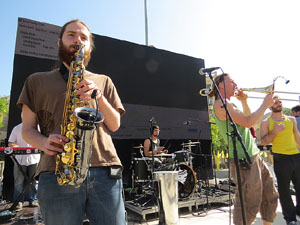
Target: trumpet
266	90
205	92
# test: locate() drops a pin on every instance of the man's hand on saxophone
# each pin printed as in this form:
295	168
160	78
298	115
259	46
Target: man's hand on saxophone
50	145
54	144
111	115
85	89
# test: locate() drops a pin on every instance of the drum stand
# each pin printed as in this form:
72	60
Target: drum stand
147	187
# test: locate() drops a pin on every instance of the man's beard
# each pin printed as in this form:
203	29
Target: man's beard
276	110
66	54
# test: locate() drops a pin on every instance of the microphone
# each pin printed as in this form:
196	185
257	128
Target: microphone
94	94
151	119
203	71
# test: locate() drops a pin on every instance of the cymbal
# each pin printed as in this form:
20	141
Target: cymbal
163	155
140	146
191	143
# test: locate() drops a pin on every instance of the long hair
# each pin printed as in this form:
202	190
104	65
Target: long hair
218	79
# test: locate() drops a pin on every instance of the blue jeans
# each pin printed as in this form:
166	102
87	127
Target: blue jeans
99	198
19	182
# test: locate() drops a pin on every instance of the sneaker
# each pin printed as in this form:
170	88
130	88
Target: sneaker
291	223
33	204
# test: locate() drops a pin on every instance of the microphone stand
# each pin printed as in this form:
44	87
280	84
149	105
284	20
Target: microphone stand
152	155
214	170
234	134
152	122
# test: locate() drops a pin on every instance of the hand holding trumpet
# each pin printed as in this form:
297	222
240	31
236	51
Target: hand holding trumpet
240	95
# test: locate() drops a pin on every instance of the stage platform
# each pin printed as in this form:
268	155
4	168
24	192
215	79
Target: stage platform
146	204
214	213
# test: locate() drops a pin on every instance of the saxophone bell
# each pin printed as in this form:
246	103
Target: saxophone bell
87	117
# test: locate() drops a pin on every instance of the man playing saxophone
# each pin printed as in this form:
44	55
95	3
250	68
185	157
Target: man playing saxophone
99	197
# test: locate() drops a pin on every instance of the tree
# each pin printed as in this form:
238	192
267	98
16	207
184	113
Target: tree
219	147
218	143
287	111
3	109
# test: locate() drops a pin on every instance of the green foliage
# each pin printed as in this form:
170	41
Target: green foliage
287	111
218	142
3	109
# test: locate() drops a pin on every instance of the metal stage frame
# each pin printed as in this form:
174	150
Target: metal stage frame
195	200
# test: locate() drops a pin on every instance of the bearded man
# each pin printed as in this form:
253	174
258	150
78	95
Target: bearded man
42	99
281	131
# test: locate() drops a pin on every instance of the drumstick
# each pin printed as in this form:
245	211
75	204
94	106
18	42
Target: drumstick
165	144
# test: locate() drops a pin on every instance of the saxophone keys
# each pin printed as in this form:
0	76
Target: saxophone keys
75	101
71	174
68	146
66	158
60	181
70	127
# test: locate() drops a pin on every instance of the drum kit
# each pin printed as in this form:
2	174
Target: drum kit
181	161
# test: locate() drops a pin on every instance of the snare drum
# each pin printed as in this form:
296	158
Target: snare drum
142	169
182	156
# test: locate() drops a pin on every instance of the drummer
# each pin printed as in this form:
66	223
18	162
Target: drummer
152	144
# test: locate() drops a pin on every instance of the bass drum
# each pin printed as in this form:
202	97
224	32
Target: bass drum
141	169
186	181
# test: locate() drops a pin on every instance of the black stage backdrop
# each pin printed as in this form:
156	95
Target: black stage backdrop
152	83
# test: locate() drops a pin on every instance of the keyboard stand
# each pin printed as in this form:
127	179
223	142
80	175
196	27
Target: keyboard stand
11	152
29	183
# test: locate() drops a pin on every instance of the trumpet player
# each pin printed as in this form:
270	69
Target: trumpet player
99	197
281	131
258	190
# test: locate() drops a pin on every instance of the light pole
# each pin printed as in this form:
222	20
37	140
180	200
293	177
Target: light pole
146	23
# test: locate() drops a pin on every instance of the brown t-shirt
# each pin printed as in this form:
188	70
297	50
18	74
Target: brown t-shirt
44	93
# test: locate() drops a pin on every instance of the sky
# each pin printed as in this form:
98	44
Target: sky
254	41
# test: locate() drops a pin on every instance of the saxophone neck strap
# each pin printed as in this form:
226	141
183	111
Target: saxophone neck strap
64	72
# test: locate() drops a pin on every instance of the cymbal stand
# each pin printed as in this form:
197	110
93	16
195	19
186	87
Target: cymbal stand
132	173
207	179
190	156
152	169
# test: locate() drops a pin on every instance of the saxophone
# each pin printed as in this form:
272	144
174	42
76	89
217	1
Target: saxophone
78	124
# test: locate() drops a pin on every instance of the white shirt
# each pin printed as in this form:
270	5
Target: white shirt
16	137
